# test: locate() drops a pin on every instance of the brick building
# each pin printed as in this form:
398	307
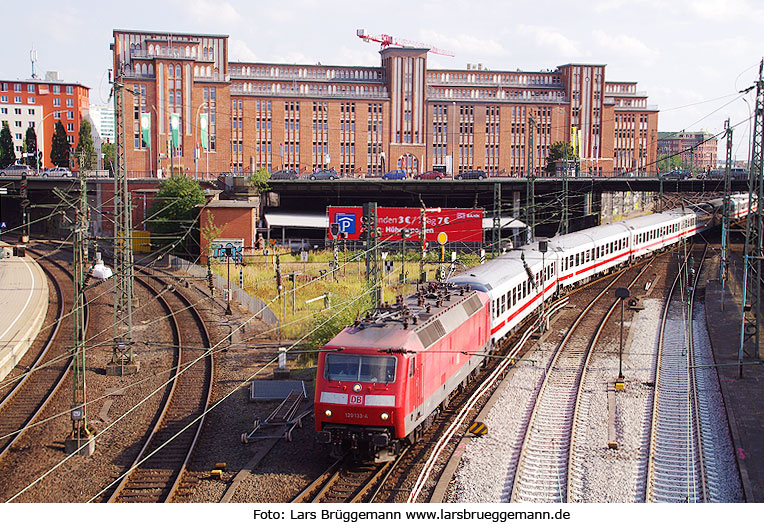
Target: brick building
697	150
367	120
40	103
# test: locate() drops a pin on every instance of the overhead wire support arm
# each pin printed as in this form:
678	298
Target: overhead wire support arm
750	326
123	360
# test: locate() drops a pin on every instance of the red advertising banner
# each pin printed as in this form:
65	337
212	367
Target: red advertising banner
459	224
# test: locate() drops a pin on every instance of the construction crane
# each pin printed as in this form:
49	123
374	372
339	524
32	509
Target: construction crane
389	40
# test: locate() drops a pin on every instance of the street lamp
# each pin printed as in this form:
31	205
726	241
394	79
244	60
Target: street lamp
453	145
41	163
621	293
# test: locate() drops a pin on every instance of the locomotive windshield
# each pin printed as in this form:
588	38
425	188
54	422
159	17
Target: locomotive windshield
354	368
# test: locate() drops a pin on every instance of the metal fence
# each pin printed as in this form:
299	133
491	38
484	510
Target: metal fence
253	304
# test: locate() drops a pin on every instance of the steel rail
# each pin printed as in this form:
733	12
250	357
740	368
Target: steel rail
11	403
653	476
167	489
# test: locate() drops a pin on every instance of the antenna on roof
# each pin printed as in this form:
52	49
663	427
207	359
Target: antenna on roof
33	58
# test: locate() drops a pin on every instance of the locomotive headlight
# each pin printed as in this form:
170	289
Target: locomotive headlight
328	412
357	388
384	416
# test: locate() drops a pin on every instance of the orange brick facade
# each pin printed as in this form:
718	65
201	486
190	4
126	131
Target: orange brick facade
362	120
60	101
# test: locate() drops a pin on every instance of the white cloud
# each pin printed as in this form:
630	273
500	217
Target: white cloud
625	45
550	38
209	11
238	50
463	44
719	9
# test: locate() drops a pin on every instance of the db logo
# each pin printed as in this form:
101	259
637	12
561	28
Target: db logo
356	400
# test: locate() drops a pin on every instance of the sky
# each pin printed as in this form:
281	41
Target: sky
692	57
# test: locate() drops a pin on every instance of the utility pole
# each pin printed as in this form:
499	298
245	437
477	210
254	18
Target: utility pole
372	253
531	183
565	216
80	440
423	238
750	327
123	360
496	235
724	261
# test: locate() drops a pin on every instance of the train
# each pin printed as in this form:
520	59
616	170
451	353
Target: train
382	380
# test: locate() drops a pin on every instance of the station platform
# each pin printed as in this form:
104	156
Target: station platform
743	395
23	305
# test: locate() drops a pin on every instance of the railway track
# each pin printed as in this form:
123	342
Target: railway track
46	367
543	470
157	472
347	482
676	470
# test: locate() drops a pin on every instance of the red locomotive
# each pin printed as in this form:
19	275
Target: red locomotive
383	379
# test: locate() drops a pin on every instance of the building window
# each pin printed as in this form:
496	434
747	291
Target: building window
17	87
56	89
69	102
30	88
70	90
70	115
17	99
57	102
30	100
70	127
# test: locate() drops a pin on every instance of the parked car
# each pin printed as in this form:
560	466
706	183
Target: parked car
284	174
324	175
395	174
430	175
471	174
678	173
58	171
18	169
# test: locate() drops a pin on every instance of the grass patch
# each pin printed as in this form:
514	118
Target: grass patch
320	303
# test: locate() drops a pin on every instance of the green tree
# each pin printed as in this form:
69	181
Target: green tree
85	151
59	147
259	180
107	150
558	151
668	162
30	141
7	153
172	218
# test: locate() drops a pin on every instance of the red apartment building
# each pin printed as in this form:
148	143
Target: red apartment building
41	103
697	150
368	120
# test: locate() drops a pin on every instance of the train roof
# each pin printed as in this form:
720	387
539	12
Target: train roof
494	272
413	323
651	220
